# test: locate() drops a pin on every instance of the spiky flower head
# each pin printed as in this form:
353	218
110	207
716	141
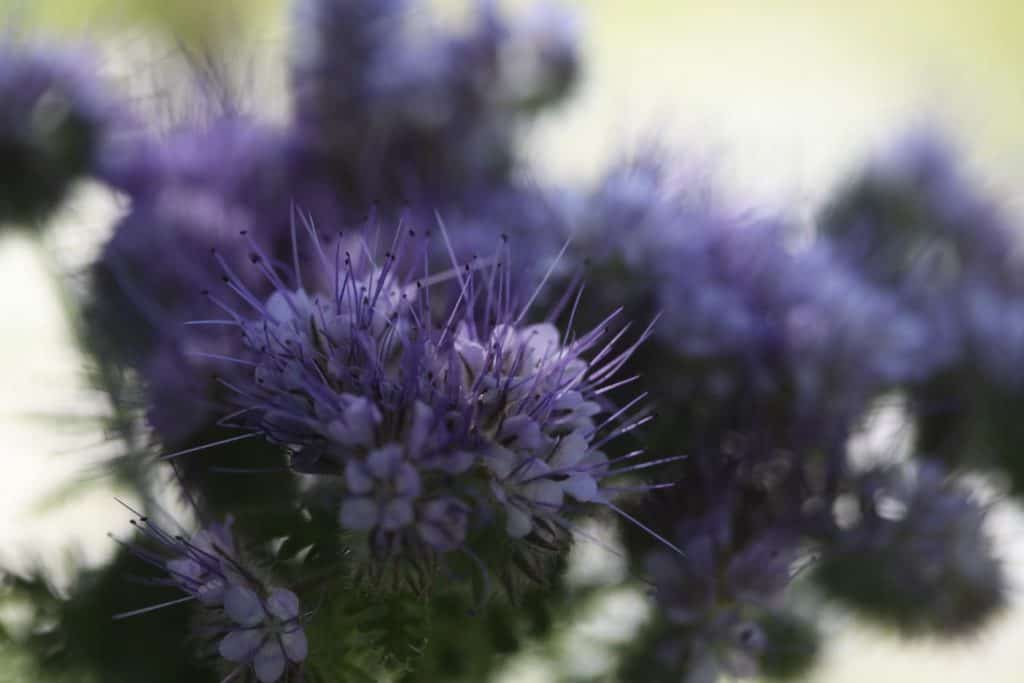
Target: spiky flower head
395	105
430	415
254	626
715	600
191	192
748	313
916	554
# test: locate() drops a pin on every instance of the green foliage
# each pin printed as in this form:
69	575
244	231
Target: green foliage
792	645
868	583
76	638
357	636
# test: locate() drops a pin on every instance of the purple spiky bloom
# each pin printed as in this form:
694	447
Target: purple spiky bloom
915	224
913	551
393	105
191	194
712	596
430	416
741	303
256	626
53	129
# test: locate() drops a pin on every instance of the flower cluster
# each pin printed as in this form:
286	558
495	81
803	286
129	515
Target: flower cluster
332	342
257	627
715	596
395	105
429	415
52	129
913	551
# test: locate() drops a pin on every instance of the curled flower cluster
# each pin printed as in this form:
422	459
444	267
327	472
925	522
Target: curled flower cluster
914	552
429	418
52	128
716	595
396	105
382	393
256	627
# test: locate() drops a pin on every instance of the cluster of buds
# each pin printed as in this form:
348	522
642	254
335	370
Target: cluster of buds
257	627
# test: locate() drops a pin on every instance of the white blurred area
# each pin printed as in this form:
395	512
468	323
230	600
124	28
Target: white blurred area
780	98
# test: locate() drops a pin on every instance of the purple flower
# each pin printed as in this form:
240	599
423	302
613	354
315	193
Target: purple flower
194	193
744	308
913	552
255	625
428	414
713	596
916	226
267	634
55	121
394	106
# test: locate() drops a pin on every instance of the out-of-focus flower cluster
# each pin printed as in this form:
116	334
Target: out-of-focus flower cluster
409	375
254	626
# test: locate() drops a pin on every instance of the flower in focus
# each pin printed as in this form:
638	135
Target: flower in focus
433	417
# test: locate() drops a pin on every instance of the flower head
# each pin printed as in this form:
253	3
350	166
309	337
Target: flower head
397	106
54	120
915	554
715	600
255	625
432	413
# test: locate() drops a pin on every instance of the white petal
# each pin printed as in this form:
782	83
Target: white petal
534	467
473	355
269	662
582	487
523	431
296	647
545	493
518	523
243	606
542	342
239	646
283	604
278	308
570	451
359	514
501	461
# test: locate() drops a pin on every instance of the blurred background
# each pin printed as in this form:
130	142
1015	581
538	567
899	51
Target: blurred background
778	102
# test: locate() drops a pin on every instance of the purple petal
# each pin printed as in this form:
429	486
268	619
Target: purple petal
383	462
396	514
358	478
296	647
283	604
239	646
243	606
407	481
359	514
269	662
